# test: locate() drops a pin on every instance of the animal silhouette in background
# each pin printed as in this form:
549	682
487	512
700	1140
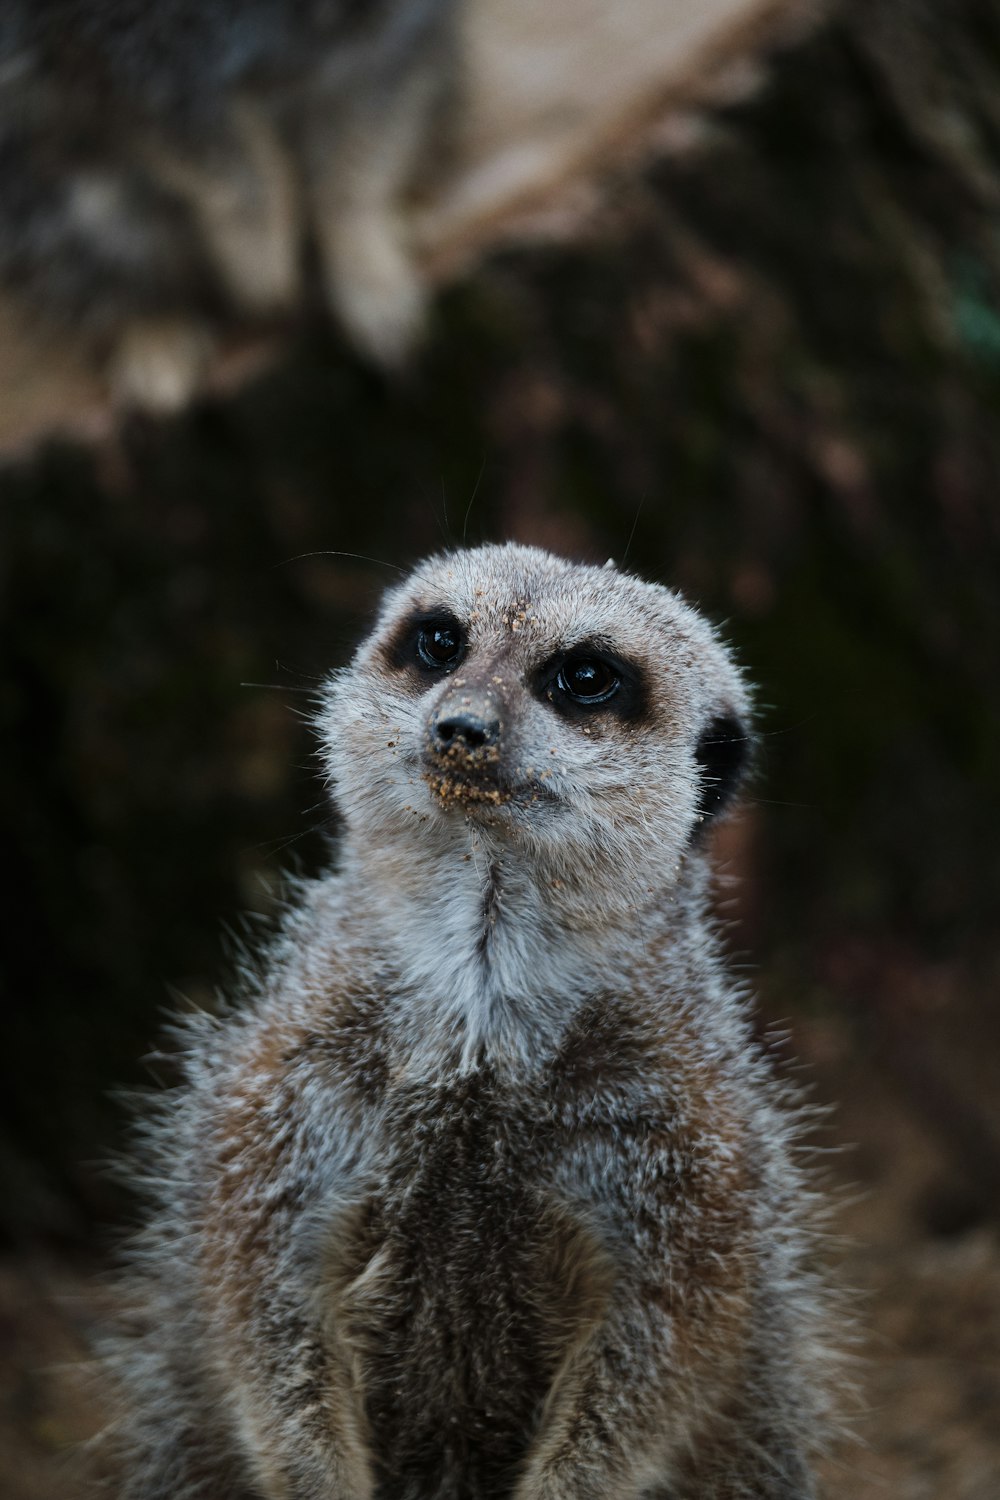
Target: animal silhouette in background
169	167
483	1186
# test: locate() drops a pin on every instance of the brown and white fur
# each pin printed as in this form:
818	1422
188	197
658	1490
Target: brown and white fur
484	1189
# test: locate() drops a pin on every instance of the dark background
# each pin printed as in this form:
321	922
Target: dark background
767	373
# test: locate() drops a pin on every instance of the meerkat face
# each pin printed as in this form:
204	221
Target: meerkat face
576	713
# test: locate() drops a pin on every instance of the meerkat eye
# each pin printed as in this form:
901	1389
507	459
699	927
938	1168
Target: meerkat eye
591	676
440	643
587	679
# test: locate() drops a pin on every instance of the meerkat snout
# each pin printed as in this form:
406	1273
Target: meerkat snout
463	751
465	730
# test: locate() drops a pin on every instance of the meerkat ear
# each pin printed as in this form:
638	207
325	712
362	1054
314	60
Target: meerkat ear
723	756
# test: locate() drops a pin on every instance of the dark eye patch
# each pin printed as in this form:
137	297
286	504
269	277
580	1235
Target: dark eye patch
432	641
590	679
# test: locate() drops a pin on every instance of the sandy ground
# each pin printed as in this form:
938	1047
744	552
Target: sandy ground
928	1300
928	1305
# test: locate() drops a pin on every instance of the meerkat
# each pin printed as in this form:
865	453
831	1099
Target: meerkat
163	165
484	1188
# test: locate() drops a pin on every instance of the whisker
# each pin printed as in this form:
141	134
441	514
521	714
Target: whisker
444	501
379	562
278	846
631	535
774	802
472	498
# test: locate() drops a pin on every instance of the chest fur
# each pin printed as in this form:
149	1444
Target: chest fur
462	1281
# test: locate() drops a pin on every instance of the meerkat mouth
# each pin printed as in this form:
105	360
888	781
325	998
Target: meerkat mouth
469	783
463	773
458	791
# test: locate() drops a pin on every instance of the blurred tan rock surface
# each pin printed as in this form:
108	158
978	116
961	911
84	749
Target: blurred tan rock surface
550	96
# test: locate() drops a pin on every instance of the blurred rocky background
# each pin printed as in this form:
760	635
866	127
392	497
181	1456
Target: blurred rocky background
764	368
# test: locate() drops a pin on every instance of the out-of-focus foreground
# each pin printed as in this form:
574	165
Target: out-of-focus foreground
766	370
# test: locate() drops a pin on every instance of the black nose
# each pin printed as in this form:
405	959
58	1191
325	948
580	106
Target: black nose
468	730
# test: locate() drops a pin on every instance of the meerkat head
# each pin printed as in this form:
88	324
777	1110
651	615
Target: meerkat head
576	716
